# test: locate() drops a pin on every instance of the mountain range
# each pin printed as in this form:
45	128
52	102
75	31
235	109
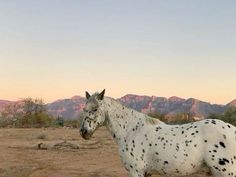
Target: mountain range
3	103
70	108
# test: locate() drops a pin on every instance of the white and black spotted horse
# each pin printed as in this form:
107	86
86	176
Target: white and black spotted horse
149	146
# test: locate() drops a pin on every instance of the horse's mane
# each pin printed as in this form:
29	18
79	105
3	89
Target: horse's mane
153	121
148	119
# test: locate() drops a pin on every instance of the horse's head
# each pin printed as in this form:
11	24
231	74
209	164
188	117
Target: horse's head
93	114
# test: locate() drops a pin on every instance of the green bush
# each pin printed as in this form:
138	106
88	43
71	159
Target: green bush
229	116
59	122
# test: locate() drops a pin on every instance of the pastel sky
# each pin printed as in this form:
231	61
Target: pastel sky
54	49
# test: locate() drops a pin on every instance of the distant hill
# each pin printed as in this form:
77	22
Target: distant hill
171	106
232	103
70	108
67	108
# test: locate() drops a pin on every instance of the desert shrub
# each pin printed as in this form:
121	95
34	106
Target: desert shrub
26	113
156	115
5	122
180	118
35	120
75	123
59	122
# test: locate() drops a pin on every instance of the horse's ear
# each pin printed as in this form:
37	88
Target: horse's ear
87	95
101	95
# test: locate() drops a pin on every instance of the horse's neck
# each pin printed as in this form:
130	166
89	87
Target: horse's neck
122	121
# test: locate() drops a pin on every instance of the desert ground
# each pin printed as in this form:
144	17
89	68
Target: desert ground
21	157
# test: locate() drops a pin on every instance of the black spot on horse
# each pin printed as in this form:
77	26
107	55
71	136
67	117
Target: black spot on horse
166	162
213	122
224	136
223	161
222	144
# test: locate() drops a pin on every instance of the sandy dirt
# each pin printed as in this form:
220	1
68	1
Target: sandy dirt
20	156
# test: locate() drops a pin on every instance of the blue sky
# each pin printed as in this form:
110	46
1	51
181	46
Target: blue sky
56	49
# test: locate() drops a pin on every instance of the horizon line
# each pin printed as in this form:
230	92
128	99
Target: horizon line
70	97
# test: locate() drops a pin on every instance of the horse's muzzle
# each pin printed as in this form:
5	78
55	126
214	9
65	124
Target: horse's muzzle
85	134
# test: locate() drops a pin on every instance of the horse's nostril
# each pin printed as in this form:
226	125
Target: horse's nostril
85	131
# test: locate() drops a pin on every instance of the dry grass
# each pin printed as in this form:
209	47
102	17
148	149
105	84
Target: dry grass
42	136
